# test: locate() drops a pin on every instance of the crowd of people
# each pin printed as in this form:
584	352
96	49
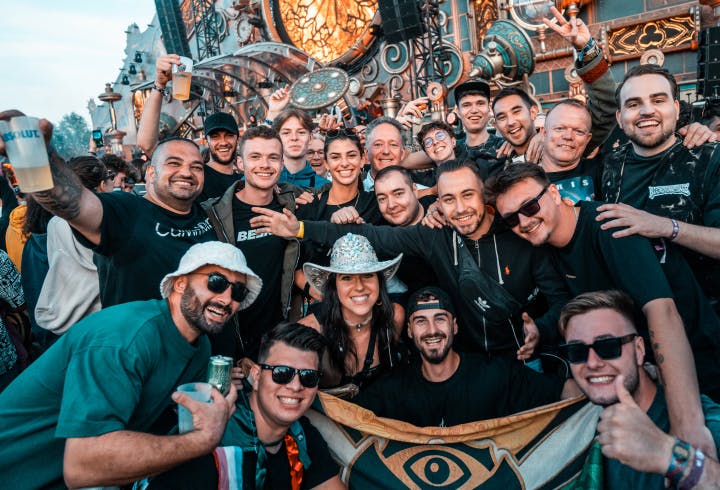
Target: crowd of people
499	268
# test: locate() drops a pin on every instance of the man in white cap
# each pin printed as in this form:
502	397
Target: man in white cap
89	409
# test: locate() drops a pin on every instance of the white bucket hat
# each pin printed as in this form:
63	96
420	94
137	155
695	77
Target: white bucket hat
221	254
351	254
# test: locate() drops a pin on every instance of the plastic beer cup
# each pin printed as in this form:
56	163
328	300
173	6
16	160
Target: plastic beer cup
182	76
197	391
27	153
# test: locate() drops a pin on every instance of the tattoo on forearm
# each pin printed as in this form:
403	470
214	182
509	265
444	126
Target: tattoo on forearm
63	200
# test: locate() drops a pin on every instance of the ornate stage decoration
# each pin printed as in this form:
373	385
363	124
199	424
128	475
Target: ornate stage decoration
670	34
507	55
329	31
486	13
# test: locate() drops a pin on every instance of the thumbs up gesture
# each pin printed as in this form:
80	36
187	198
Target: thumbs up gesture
627	434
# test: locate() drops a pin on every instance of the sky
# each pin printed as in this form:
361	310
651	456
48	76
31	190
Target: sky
57	54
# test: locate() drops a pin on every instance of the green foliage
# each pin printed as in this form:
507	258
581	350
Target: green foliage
71	136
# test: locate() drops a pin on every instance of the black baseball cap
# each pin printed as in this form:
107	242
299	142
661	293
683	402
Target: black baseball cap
443	301
477	85
220	120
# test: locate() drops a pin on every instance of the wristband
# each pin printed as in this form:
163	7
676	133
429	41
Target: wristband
162	90
301	232
678	461
696	471
269	122
676	230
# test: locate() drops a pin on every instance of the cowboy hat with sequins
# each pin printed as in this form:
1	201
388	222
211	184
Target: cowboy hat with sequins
351	254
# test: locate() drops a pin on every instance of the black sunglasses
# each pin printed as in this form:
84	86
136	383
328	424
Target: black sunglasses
530	208
606	349
218	284
282	375
334	133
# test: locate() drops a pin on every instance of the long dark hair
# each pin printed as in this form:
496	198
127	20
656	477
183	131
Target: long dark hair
334	326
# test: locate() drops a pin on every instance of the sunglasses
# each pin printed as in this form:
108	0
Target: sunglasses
110	176
530	208
606	349
282	375
440	136
334	133
218	284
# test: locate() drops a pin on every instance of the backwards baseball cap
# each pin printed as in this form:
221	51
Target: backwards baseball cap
442	301
215	253
220	120
475	85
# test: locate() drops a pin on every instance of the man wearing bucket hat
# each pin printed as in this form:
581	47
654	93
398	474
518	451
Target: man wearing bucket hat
89	408
419	393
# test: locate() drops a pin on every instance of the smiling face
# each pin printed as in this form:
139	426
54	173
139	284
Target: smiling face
262	162
385	147
295	138
223	146
205	311
461	201
596	376
357	293
514	121
474	112
177	174
276	406
537	229
344	159
648	113
432	332
396	200
441	147
567	134
316	156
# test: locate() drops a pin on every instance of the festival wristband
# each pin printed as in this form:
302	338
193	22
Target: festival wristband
676	230
301	231
162	90
696	471
681	452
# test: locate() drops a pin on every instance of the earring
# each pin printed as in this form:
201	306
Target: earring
379	302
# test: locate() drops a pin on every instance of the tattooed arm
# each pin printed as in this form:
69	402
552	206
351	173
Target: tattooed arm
71	201
675	360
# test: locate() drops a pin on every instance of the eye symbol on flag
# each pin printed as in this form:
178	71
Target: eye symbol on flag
437	470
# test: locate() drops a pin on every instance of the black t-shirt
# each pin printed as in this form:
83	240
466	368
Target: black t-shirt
484	155
581	183
216	183
201	473
480	389
264	255
593	260
637	177
140	243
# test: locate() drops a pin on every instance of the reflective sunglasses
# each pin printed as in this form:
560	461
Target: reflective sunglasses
440	136
282	375
606	349
530	208
218	284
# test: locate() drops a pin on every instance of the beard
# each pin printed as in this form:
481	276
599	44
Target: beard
650	142
216	158
194	312
434	356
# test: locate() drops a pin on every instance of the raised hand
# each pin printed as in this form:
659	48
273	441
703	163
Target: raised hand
574	30
532	337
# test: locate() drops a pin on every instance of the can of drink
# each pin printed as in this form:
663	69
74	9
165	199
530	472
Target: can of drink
219	368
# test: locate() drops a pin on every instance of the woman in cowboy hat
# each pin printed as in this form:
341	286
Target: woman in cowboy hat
355	316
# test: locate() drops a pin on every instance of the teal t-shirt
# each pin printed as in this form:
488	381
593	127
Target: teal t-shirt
114	370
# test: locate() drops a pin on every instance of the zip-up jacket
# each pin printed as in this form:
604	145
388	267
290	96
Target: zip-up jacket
219	210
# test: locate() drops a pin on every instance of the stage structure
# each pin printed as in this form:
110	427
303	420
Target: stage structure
245	49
